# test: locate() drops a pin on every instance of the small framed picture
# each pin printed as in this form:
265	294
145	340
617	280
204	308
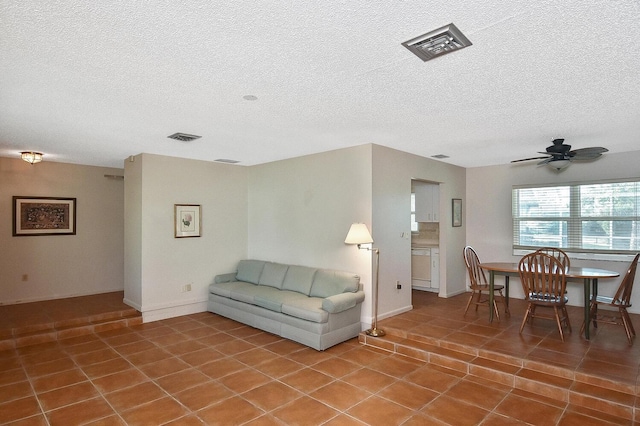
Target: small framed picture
456	212
43	216
187	220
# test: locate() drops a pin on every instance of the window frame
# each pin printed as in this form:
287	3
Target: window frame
575	220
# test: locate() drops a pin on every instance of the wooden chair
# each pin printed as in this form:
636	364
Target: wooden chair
479	283
619	302
559	254
544	284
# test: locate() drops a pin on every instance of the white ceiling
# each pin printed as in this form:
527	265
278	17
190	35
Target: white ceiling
94	82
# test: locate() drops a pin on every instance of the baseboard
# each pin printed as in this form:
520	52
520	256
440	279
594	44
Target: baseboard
164	312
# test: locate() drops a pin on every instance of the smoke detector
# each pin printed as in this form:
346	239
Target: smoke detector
183	137
438	42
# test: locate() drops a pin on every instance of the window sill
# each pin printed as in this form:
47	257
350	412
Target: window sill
606	257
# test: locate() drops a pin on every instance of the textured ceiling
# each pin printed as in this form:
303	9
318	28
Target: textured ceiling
94	82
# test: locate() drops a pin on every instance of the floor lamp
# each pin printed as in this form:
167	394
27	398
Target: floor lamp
359	234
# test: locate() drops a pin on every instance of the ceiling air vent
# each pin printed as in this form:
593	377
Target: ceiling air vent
438	42
183	137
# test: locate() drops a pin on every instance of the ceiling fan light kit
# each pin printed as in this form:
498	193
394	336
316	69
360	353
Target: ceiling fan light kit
560	155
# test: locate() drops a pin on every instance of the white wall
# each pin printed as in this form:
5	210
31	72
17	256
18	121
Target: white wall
89	262
392	174
488	210
300	211
167	263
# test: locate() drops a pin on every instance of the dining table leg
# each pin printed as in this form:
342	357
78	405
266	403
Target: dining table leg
492	277
506	295
587	302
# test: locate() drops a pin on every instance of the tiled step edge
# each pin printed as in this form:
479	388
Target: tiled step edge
80	328
561	384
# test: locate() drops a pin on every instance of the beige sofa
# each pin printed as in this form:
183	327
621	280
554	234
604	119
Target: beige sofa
316	307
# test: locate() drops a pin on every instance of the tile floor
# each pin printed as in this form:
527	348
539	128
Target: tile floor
607	353
205	369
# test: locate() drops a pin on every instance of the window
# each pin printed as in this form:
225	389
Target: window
582	218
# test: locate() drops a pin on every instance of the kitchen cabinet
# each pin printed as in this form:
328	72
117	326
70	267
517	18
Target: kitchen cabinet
425	269
427	202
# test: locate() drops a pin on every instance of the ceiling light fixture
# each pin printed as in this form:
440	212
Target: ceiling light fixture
559	164
31	157
438	42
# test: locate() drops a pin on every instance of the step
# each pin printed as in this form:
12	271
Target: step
562	384
49	332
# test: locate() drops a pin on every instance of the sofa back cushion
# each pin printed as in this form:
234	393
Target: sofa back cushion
250	270
328	283
273	274
299	278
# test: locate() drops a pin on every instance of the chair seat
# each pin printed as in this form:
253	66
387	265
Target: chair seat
496	287
610	301
548	298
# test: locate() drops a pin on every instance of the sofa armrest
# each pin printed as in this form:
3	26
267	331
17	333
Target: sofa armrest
342	302
225	278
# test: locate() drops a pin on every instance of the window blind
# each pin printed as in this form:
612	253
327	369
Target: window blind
586	217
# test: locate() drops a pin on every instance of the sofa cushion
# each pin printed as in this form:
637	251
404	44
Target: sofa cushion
250	270
224	289
250	292
273	274
299	278
308	308
274	299
328	283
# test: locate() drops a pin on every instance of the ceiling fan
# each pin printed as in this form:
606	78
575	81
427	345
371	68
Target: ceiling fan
559	155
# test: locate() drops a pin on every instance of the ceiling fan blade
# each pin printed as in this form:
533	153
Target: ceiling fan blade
527	159
588	151
587	154
589	157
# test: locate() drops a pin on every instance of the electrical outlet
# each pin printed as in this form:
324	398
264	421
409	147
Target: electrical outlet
398	285
186	288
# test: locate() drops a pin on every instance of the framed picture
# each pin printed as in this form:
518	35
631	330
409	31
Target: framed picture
456	212
43	216
187	220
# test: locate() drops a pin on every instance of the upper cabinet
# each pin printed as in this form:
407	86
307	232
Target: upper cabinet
427	202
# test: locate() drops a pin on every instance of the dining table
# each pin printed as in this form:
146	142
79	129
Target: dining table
588	276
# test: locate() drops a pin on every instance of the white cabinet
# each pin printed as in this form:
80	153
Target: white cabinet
425	267
435	269
427	202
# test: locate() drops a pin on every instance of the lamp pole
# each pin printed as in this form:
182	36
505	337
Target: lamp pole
375	331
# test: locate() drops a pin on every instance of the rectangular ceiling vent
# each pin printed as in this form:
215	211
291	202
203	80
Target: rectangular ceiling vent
183	137
438	42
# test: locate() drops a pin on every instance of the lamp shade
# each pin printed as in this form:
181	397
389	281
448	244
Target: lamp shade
358	234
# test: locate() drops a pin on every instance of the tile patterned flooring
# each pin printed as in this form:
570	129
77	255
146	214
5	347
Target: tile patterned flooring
206	369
